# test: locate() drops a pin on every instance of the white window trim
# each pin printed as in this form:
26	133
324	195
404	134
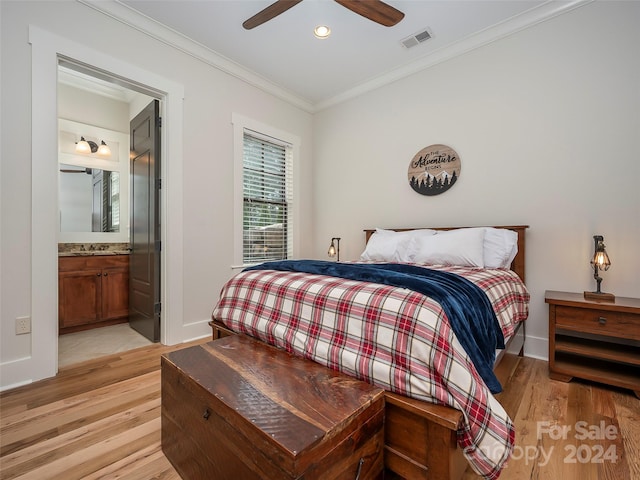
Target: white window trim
240	123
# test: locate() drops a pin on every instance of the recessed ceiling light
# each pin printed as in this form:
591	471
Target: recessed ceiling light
322	31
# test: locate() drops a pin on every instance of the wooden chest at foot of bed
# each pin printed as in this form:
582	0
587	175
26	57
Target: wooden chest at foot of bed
237	409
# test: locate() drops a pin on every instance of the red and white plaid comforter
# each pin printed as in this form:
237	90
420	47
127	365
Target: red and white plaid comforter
392	337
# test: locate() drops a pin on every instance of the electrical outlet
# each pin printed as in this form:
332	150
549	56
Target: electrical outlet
23	325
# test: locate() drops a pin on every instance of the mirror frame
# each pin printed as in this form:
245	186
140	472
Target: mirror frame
118	163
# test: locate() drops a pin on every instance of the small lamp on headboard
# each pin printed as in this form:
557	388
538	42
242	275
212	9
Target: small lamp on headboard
600	261
334	249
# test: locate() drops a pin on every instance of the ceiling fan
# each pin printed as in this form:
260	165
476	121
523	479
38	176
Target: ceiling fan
375	10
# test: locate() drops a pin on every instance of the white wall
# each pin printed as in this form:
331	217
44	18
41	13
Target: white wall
92	109
546	123
210	98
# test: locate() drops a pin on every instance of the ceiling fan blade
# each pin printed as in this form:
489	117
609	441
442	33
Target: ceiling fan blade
68	170
374	10
273	10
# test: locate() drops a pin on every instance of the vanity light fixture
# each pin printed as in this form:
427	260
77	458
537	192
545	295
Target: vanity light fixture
87	146
322	32
599	261
334	248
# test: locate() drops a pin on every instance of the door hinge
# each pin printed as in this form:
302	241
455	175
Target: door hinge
158	245
160	121
157	307
158	183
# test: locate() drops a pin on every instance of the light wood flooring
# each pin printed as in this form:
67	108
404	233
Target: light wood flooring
101	419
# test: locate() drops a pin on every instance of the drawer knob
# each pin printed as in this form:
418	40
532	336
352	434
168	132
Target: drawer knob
206	414
602	320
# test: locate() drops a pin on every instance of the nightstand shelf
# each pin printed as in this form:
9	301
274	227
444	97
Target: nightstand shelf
594	340
612	352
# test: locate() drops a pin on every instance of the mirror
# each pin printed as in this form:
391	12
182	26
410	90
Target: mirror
89	199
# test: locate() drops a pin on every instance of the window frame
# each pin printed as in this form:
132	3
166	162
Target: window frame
258	129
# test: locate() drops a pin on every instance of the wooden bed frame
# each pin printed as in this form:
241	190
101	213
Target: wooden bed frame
420	437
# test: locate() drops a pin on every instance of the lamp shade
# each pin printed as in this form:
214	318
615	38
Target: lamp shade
600	258
83	146
104	150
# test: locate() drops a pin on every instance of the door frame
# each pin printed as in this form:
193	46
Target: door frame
47	48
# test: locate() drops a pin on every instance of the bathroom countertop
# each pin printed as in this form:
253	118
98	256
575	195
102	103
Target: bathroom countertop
93	253
92	249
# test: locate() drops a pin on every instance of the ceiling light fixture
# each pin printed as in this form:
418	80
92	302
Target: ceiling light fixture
322	32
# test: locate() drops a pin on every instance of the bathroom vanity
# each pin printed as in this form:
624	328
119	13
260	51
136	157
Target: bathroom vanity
93	288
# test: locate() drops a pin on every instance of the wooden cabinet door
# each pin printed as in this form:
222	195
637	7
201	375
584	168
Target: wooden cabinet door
79	297
115	293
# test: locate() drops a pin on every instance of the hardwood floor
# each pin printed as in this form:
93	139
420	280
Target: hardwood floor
568	431
101	419
98	419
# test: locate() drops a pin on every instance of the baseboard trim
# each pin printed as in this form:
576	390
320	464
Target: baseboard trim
14	372
536	347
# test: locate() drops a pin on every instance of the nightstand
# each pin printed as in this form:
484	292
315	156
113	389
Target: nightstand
593	340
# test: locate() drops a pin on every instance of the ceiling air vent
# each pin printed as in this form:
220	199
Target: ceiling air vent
416	38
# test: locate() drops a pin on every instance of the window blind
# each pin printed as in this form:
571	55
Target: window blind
114	206
267	199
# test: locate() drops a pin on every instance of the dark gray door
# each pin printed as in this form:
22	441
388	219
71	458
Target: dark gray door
144	265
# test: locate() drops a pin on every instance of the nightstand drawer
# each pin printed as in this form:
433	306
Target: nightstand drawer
625	325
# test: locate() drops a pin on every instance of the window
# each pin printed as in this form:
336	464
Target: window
265	203
114	203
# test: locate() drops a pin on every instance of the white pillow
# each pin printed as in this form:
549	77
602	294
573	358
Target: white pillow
390	246
500	247
463	247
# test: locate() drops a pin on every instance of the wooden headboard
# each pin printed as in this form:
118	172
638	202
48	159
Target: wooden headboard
517	265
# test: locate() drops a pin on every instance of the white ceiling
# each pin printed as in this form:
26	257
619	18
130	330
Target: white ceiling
283	54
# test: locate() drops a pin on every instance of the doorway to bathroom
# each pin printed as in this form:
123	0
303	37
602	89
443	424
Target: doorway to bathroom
109	239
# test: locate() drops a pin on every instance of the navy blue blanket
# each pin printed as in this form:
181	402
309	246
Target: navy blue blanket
467	307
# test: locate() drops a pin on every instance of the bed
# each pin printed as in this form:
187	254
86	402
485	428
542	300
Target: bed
440	415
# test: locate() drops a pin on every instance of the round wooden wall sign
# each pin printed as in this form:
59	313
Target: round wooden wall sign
434	170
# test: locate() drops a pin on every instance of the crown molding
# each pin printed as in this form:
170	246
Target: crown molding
72	78
534	16
126	15
170	37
